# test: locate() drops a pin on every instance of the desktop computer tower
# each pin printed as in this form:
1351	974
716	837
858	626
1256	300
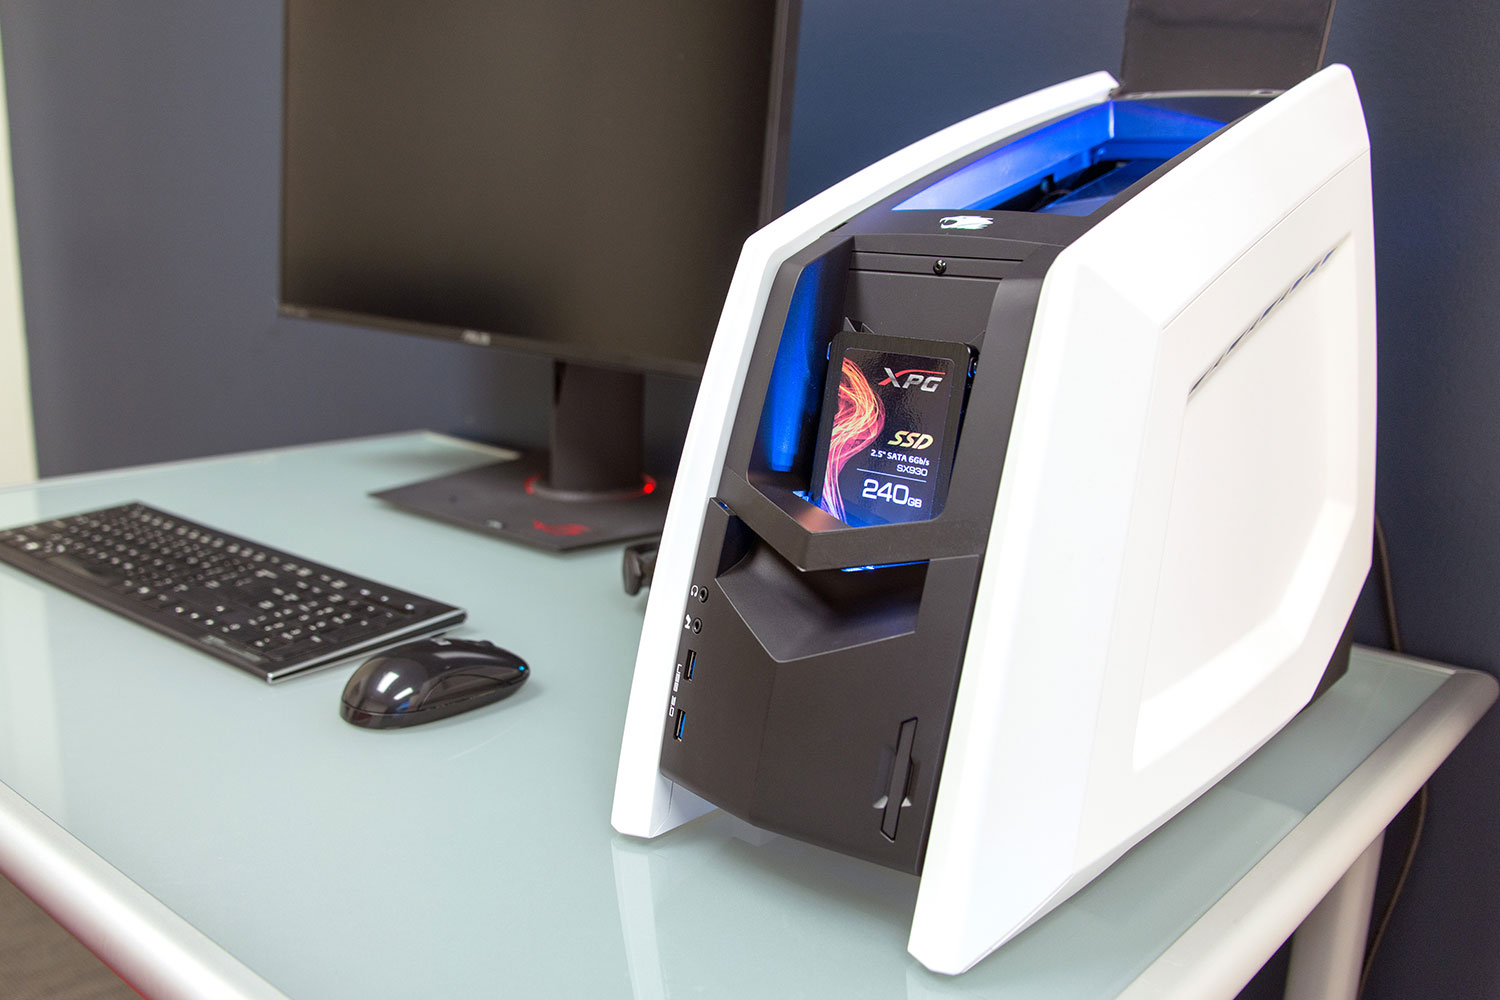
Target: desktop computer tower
1029	491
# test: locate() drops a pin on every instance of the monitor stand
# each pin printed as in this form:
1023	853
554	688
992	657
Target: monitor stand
589	489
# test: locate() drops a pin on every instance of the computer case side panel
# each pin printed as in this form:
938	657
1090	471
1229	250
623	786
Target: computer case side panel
1278	426
647	804
1150	467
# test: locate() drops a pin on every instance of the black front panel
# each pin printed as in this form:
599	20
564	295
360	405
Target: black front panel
819	660
804	737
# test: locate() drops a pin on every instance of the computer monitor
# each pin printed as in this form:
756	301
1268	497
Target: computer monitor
569	179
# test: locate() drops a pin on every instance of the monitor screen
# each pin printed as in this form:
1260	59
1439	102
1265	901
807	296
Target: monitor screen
571	178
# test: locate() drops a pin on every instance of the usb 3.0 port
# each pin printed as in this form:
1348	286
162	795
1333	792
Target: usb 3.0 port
689	664
681	722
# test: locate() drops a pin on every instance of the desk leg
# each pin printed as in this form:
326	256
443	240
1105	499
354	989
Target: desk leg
1329	948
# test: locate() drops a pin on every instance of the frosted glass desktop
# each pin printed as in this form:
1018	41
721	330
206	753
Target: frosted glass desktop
204	831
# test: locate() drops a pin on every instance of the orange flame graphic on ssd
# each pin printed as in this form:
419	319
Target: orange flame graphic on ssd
858	421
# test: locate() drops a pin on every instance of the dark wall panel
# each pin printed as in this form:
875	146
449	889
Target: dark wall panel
1428	76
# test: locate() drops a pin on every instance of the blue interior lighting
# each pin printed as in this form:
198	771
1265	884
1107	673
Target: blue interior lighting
866	569
791	409
1088	157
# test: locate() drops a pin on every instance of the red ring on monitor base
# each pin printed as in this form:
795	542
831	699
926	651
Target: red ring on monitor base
535	486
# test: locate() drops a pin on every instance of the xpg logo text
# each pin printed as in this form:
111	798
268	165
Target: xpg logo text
907	378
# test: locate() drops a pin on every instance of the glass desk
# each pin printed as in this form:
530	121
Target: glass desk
208	834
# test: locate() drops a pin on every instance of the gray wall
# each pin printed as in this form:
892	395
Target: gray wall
145	138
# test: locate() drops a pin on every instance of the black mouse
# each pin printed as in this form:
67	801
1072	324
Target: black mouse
429	679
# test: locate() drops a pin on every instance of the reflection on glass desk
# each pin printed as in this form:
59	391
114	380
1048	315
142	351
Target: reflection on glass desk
205	832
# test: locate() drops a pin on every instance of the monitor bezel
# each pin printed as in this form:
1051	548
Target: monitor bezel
772	197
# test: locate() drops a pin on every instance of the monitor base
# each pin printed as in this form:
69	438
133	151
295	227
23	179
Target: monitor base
502	499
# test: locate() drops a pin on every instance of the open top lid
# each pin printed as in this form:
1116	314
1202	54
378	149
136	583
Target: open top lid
1219	45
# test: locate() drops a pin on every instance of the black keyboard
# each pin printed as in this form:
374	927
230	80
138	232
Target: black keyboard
261	609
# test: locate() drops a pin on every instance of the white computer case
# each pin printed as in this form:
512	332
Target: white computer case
1183	522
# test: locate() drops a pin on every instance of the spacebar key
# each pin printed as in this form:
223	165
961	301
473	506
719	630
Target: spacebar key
232	649
83	569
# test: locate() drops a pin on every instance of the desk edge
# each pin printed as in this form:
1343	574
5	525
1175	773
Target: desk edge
152	948
1216	956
